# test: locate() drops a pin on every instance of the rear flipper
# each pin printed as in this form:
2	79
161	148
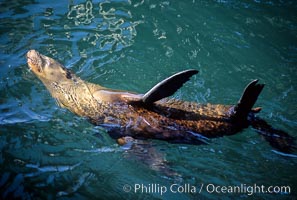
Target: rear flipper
245	104
278	139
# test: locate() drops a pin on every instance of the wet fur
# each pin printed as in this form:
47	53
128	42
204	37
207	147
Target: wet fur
123	113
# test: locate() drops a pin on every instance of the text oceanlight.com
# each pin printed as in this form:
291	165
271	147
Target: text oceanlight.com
155	188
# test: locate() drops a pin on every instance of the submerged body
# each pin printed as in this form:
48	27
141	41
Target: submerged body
151	115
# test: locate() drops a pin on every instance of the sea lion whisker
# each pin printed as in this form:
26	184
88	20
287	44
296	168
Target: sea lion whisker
146	122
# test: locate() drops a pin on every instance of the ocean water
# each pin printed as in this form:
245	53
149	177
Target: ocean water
49	153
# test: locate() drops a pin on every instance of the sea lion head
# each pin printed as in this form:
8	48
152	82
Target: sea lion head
68	89
47	69
54	76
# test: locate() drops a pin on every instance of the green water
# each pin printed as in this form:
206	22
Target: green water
48	153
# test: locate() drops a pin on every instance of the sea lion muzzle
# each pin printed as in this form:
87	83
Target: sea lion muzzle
34	61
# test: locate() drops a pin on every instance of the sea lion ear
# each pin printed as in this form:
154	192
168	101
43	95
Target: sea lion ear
168	86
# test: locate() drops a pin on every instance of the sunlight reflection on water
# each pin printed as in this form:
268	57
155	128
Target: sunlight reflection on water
48	153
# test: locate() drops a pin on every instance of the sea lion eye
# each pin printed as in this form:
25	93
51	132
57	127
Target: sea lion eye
68	74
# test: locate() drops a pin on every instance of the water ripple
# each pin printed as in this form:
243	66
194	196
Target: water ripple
105	27
133	45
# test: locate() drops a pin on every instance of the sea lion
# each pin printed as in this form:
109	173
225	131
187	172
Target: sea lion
153	115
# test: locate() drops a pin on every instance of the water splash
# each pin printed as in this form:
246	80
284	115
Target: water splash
50	168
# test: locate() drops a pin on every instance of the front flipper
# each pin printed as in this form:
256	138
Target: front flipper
168	86
164	88
145	152
126	142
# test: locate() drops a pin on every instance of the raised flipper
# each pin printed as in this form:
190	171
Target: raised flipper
245	104
165	88
168	86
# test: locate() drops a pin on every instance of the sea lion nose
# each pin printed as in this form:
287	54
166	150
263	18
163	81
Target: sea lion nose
32	53
29	54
